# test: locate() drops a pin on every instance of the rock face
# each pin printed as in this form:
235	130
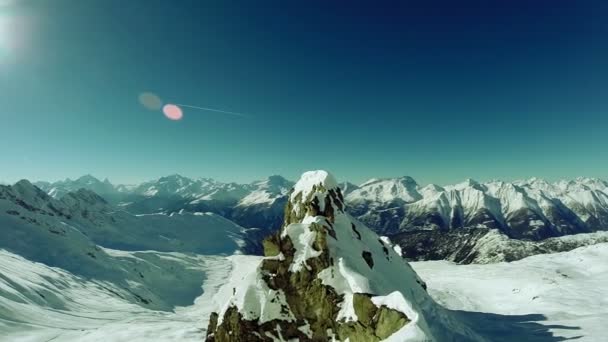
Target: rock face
324	277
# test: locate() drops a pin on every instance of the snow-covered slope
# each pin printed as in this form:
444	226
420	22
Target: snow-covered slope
39	303
326	276
553	297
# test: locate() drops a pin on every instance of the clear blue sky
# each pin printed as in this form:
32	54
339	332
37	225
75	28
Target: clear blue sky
438	90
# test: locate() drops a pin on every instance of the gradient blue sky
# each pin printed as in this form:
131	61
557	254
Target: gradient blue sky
438	90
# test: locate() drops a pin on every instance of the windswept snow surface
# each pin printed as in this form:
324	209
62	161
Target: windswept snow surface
549	297
41	303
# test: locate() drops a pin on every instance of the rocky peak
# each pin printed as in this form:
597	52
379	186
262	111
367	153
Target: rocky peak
175	178
324	277
274	184
348	187
31	198
315	194
88	179
27	190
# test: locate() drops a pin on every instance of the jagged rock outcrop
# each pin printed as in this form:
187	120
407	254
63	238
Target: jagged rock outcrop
324	277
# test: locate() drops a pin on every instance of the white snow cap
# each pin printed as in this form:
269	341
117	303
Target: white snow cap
312	178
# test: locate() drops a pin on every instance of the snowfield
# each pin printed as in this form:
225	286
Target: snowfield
549	297
41	303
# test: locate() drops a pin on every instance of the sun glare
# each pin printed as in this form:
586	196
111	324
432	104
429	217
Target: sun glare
173	112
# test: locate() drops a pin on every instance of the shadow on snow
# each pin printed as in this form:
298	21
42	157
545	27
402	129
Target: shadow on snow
496	327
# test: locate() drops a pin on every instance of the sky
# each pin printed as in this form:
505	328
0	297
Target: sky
437	90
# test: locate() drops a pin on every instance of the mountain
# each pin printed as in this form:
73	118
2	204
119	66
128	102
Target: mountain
455	222
60	188
327	277
263	206
378	202
532	210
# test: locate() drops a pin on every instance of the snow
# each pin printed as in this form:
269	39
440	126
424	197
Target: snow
412	330
76	309
246	290
257	197
541	298
302	238
386	190
563	294
312	178
390	274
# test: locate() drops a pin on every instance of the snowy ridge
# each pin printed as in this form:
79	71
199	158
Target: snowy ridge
386	190
528	209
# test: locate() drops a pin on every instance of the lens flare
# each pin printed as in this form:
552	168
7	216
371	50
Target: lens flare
173	112
150	101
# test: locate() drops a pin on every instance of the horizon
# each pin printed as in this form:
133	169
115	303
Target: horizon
440	92
295	179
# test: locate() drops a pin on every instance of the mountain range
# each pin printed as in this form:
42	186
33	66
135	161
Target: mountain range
531	209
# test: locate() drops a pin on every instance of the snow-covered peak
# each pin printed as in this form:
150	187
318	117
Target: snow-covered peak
274	183
467	183
266	191
276	179
88	179
175	178
402	179
386	190
60	188
312	181
430	190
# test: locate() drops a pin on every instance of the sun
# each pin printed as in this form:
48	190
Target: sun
5	35
15	28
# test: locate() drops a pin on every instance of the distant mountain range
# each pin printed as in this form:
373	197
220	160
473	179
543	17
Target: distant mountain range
411	215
